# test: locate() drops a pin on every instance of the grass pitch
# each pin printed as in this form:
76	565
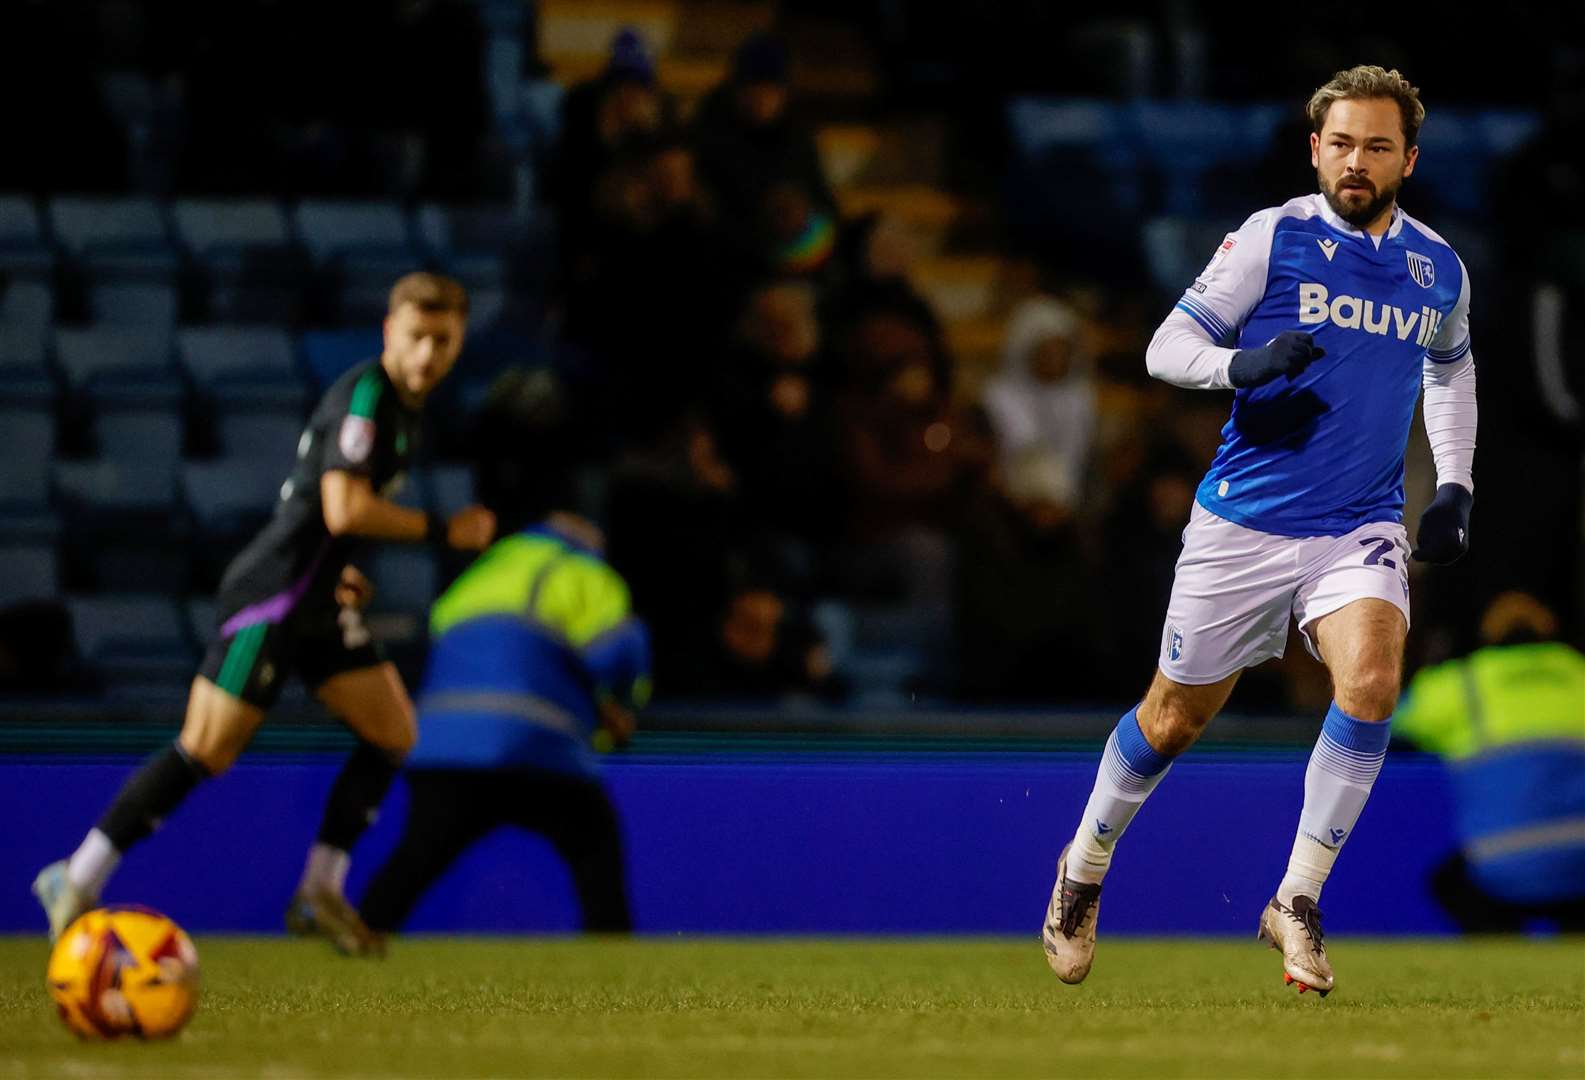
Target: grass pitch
859	1007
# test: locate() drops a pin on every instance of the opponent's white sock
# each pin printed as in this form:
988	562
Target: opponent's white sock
1129	771
92	864
1343	766
326	869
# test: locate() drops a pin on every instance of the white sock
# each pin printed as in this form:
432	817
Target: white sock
92	864
1343	767
326	869
1129	771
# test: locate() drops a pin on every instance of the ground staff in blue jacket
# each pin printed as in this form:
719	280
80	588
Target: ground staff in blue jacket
536	659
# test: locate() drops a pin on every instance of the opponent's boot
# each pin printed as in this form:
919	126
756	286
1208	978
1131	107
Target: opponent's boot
1296	931
327	913
1069	931
62	901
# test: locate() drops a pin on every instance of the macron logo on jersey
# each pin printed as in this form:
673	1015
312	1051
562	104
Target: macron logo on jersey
1316	305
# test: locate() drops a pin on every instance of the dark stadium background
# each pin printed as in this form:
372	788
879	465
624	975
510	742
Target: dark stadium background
859	669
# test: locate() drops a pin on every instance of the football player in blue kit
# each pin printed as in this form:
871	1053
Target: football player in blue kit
1327	316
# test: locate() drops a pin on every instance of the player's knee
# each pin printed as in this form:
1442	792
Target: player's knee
1172	725
1370	692
215	758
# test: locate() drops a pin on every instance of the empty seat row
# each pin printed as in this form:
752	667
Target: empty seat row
142	238
104	526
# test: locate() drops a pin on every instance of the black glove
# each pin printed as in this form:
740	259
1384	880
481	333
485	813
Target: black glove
1443	536
1289	353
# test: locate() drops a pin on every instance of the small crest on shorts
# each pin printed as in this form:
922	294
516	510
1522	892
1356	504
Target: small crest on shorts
1422	269
356	439
1174	643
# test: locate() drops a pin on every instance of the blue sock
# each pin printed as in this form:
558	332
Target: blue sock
1343	766
1129	771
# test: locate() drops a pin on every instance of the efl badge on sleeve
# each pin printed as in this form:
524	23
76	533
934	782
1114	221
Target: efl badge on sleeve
1422	269
356	439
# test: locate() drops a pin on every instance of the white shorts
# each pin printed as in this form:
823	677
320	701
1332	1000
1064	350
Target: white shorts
1234	589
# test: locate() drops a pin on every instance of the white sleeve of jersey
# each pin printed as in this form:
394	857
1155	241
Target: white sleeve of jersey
1450	416
1233	282
1451	341
1183	354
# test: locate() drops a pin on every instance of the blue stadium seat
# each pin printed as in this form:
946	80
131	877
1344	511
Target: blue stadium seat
447	488
26	516
244	248
27	416
229	501
133	303
125	379
28	570
115	238
248	379
1177	248
24	252
124	526
361	247
132	641
26	311
472	243
328	354
216	356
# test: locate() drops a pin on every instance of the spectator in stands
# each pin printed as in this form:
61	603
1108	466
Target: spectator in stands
760	644
774	409
657	276
762	163
600	118
910	455
673	519
1042	409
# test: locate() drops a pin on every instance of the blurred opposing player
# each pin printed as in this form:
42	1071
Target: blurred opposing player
1339	307
535	655
290	601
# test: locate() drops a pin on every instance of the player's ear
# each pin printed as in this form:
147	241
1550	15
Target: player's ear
1315	150
1409	159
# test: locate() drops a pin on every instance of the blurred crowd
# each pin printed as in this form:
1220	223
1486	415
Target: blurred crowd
805	493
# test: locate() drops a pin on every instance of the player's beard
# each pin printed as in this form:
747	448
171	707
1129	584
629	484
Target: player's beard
1361	214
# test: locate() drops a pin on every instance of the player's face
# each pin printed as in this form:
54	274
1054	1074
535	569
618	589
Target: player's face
420	348
1361	159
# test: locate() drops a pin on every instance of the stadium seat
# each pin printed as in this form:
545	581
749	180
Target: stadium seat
244	248
229	501
360	248
248	380
26	517
26	311
123	377
28	571
124	526
115	238
24	252
1177	248
132	641
328	354
133	303
27	416
473	244
450	488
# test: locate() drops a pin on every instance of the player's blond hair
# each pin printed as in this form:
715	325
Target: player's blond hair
430	293
1369	81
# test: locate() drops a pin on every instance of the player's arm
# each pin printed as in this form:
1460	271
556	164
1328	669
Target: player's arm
352	507
1450	422
619	661
1187	349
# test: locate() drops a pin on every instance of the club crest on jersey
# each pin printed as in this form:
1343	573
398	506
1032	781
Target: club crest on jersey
1422	269
356	439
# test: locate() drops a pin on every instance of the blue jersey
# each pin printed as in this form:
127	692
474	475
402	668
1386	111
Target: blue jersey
1322	454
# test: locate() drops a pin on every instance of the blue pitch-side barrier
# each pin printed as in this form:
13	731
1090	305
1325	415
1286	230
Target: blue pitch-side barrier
877	843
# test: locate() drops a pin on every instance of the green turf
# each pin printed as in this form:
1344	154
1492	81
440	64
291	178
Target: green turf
895	1008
